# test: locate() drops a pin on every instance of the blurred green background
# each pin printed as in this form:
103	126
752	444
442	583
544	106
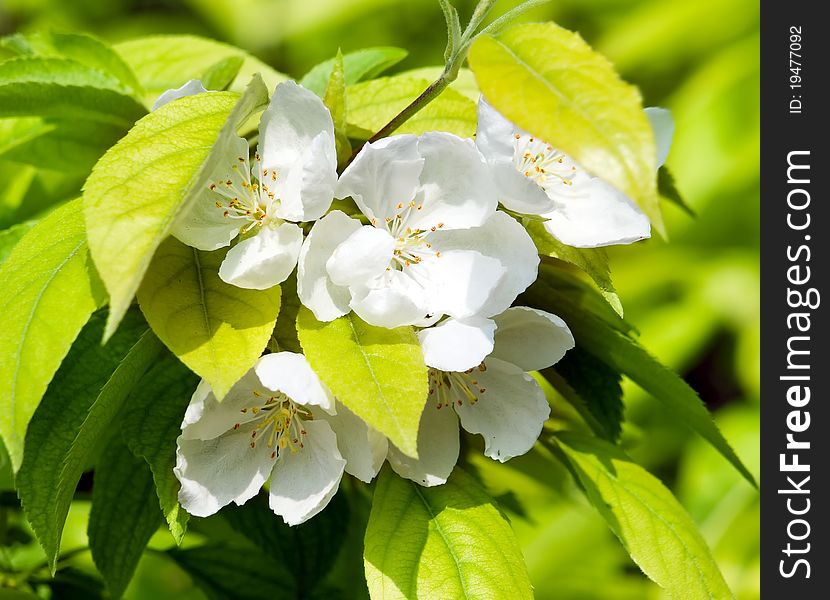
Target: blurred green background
694	299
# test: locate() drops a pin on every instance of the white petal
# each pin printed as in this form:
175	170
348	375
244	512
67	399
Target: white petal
438	447
362	256
191	88
290	373
457	344
205	418
202	224
504	240
494	138
597	215
314	286
363	447
221	470
307	187
460	282
662	124
509	414
531	339
383	174
264	260
393	300
303	482
456	188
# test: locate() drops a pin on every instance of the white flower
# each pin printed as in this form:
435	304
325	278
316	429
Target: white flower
534	177
434	246
191	88
496	398
269	425
293	180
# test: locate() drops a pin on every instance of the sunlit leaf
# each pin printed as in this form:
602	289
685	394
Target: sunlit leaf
365	63
215	328
378	373
448	541
652	525
548	81
47	296
135	191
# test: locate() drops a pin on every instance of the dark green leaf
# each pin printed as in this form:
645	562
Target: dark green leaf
75	415
73	584
221	74
667	189
285	332
151	423
124	514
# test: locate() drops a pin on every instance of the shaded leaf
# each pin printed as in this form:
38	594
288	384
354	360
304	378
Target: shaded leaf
365	63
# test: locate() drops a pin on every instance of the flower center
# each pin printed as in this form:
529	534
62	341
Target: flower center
246	199
411	245
279	422
542	163
451	388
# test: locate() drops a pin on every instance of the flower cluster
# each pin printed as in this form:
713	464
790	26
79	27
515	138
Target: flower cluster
426	246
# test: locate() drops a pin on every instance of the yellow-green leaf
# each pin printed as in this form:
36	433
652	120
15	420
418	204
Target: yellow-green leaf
137	188
549	82
448	541
378	373
217	329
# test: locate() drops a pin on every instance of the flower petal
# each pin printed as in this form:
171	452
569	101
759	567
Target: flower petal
290	373
504	240
191	88
394	299
365	254
203	224
384	174
457	344
363	447
314	286
662	124
307	189
456	190
509	414
597	215
264	260
495	140
303	482
531	339
459	282
205	418
438	447
221	470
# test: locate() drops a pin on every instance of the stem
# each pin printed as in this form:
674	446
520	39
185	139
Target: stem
427	96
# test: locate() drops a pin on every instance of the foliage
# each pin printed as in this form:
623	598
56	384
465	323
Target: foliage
75	108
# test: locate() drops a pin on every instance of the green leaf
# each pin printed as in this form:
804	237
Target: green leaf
124	515
57	87
47	296
593	388
667	188
151	423
366	63
135	191
626	356
217	329
652	525
9	238
335	101
594	261
220	75
378	373
226	572
164	62
285	332
548	81
372	104
307	551
16	132
75	416
82	48
74	584
448	541
464	83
